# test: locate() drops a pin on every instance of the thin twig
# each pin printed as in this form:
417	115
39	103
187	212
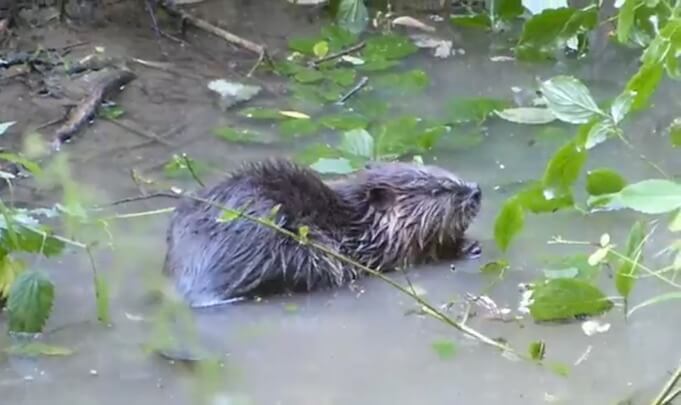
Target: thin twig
338	54
128	125
662	397
190	167
362	82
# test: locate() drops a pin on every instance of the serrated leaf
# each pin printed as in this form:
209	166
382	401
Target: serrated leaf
445	349
604	181
566	298
625	275
358	142
569	100
30	302
28	238
4	126
335	166
564	168
509	223
653	196
10	268
527	115
622	105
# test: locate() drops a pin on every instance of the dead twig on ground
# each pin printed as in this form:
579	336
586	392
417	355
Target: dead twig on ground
197	22
132	127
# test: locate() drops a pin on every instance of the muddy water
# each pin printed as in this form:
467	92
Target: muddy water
347	346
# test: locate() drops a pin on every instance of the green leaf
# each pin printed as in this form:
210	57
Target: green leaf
675	133
388	47
560	369
352	15
320	49
625	19
475	109
28	238
494	268
509	223
604	181
675	225
316	151
621	106
111	112
537	350
308	76
415	79
534	199
576	266
626	273
236	136
303	45
177	167
229	215
344	121
298	127
261	113
342	76
4	126
564	168
445	349
338	37
30	165
377	65
527	115
472	21
35	349
30	302
336	166
102	299
566	298
598	133
358	142
508	9
569	100
653	196
10	268
644	83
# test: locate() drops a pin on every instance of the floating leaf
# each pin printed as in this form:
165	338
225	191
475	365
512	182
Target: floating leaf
35	349
625	275
352	15
495	268
4	126
569	100
303	45
336	166
445	349
527	115
534	199
338	37
30	302
566	298
377	65
358	142
537	350
564	167
413	80
237	136
320	49
308	76
475	109
604	181
298	127
388	47
509	223
345	121
342	76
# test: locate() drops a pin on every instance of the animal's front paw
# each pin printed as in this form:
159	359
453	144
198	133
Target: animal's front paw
471	249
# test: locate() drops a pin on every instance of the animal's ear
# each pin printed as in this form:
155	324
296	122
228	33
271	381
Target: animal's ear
381	197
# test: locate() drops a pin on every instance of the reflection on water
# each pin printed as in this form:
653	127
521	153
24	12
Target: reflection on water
363	347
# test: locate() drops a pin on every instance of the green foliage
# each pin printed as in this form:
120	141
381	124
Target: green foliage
182	167
333	166
30	302
564	169
566	298
36	349
628	268
510	221
537	350
570	100
388	47
675	133
352	15
527	115
445	349
111	112
473	110
604	181
576	266
654	196
236	136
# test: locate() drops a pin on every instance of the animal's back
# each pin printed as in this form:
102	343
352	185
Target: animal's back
213	260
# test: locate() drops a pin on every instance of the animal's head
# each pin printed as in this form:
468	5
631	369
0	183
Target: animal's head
419	204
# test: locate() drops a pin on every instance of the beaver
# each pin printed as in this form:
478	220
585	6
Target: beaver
385	216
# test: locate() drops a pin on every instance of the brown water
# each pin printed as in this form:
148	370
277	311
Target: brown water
338	347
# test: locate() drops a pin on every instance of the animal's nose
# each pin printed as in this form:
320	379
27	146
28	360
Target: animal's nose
476	194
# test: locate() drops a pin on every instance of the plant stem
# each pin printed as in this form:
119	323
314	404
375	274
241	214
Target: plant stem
664	397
